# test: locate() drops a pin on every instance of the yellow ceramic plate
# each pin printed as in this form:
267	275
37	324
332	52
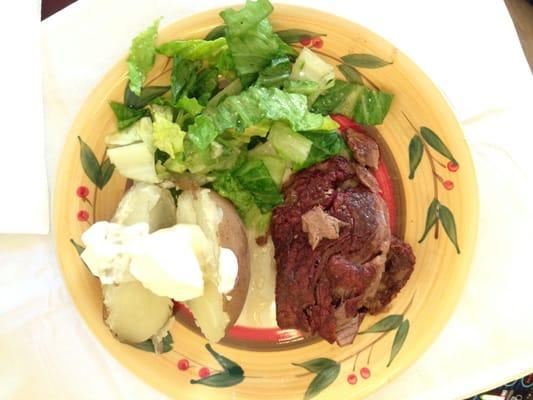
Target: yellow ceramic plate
442	194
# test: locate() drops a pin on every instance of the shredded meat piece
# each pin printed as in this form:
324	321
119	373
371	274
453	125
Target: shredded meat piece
367	179
319	225
365	149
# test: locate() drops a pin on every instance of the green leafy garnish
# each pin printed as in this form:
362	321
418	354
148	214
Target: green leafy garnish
142	57
195	50
250	107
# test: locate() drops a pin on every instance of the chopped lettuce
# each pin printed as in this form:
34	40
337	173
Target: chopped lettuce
126	116
229	187
238	22
134	161
347	105
301	87
189	105
324	145
251	40
195	50
290	145
250	107
372	107
140	131
276	73
183	77
310	67
254	177
331	98
234	88
142	57
168	136
206	84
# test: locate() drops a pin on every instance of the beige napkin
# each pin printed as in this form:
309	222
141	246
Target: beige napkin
24	199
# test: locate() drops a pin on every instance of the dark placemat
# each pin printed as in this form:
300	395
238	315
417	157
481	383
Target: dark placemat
521	389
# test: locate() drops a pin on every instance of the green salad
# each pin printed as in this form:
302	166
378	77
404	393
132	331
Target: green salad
243	109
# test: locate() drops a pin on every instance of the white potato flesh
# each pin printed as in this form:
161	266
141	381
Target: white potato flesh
146	203
133	313
208	312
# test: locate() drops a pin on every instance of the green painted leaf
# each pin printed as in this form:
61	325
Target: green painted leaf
386	324
216	32
89	163
317	364
294	35
416	150
126	116
350	73
431	218
222	379
364	60
434	141
148	94
226	363
79	248
399	340
232	374
106	171
321	381
147	345
448	222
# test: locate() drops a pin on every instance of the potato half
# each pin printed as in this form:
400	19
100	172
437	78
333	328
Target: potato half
216	312
133	313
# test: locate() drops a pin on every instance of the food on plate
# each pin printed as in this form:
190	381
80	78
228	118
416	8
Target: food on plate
249	201
333	248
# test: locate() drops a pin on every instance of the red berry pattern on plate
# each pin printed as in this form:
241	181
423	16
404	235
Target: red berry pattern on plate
365	373
352	379
452	167
82	192
82	215
305	40
448	185
318	42
183	364
204	372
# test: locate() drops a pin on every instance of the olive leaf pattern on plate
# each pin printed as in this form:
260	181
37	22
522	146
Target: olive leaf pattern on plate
326	371
231	375
423	142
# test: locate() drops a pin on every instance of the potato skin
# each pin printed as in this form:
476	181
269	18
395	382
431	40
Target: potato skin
232	235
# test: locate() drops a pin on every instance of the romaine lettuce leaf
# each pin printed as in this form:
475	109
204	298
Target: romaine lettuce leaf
195	50
126	116
276	73
255	178
183	77
189	105
290	145
140	131
300	87
206	85
372	107
324	145
238	22
331	98
309	66
250	107
168	136
229	187
142	57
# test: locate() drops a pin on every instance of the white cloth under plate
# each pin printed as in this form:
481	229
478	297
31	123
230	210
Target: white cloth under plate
24	199
470	50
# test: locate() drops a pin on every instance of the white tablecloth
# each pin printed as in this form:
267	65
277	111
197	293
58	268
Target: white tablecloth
471	51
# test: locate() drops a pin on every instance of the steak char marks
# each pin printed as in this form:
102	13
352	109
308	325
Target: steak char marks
328	289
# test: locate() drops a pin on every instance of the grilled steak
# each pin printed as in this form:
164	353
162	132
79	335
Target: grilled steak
332	240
